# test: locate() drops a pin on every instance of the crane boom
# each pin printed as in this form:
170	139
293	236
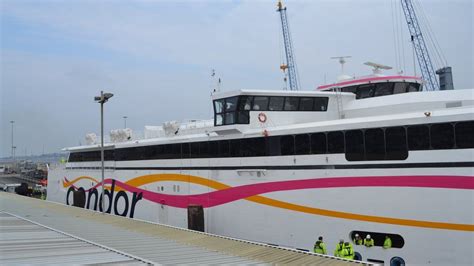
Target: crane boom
290	58
427	71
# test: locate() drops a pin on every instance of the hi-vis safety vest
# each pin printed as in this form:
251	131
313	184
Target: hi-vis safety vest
369	242
320	248
339	250
387	243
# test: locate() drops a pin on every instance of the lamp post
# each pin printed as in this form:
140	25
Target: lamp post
103	98
13	145
125	122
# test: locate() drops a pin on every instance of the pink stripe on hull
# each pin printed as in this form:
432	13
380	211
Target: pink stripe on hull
224	196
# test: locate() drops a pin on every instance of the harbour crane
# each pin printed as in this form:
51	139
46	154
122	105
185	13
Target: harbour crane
290	64
426	66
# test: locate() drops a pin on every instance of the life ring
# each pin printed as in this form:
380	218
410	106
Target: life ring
262	117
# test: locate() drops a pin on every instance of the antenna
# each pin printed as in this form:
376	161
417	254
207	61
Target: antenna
217	80
377	67
342	61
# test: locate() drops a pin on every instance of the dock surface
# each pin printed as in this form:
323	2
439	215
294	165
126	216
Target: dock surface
123	240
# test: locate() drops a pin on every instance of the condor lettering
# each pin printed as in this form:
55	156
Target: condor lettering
121	204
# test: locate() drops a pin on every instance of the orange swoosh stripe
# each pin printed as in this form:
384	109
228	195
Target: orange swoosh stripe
147	179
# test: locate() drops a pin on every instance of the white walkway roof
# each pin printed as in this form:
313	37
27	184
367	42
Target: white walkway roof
95	237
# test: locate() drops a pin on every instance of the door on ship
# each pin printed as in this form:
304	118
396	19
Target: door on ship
163	213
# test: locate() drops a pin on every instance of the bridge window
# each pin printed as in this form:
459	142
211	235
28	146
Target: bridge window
260	103
385	88
400	87
365	91
412	87
291	103
245	103
321	104
306	104
276	103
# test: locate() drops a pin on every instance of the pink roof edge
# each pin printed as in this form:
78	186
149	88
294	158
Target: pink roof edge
364	80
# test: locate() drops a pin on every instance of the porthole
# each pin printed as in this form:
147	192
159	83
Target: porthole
397	261
357	256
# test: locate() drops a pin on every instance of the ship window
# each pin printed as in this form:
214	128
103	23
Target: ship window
287	144
165	154
379	238
227	113
276	103
321	104
365	91
318	143
382	89
224	148
335	142
194	149
302	144
260	103
273	146
219	120
185	151
231	104
413	87
396	143
374	144
465	134
400	87
203	149
234	148
442	136
349	89
229	118
253	147
219	106
418	137
291	103
306	104
245	103
354	145
213	149
243	117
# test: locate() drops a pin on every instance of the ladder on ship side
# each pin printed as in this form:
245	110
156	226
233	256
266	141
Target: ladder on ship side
340	109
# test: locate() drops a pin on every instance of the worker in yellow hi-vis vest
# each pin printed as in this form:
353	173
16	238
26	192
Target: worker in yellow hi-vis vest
320	246
368	242
387	242
338	252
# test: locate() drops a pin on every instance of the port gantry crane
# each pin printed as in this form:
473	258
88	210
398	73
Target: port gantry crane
426	66
290	57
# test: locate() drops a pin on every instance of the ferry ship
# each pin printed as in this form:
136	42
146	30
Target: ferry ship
374	155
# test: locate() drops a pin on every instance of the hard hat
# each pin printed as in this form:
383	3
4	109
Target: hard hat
341	240
368	236
357	235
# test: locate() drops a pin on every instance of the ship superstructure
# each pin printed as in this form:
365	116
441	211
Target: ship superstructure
372	155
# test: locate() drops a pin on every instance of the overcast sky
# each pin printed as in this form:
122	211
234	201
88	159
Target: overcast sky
157	56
